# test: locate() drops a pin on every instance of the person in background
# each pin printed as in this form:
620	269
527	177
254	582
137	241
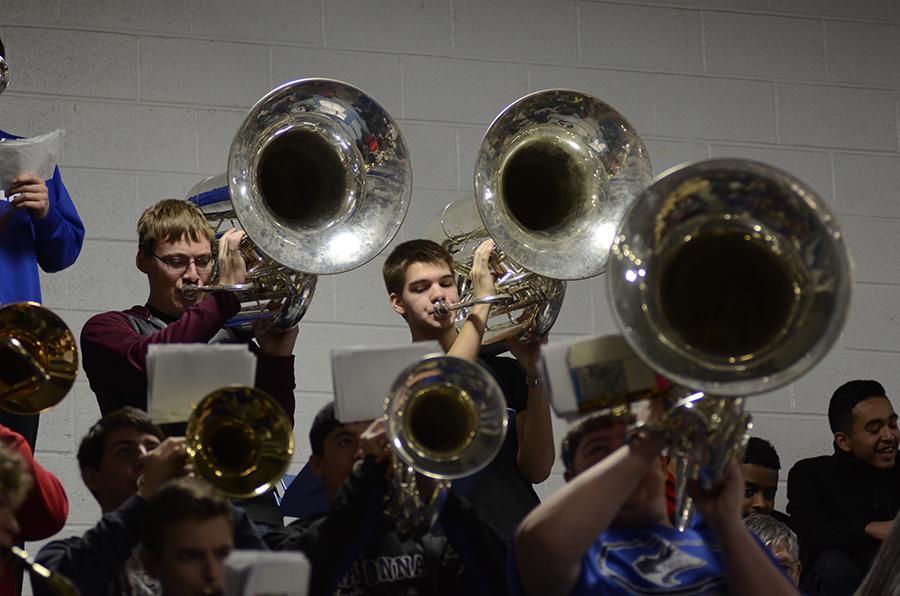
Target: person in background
760	468
780	540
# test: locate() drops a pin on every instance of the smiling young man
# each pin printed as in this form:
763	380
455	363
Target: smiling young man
842	505
175	248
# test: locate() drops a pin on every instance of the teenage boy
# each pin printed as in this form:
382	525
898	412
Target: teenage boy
39	227
355	549
189	531
607	530
124	458
842	505
760	468
175	248
417	275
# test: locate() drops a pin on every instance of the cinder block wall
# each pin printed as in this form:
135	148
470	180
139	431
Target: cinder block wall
150	93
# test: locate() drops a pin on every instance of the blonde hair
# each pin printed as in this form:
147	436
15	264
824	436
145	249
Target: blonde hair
172	220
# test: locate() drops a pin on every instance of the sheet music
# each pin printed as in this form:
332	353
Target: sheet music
38	154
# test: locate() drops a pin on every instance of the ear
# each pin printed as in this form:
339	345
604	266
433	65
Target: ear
91	479
842	440
316	465
140	260
397	303
567	475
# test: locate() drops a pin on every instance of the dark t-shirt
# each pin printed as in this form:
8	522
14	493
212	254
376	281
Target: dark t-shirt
501	496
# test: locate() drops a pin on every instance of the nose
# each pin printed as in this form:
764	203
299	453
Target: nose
759	502
191	274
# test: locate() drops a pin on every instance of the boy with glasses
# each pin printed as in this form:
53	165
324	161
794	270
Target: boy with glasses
176	248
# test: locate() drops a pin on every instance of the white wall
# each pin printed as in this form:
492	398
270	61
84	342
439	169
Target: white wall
150	93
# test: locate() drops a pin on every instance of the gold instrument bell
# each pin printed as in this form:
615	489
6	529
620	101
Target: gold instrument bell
241	441
38	358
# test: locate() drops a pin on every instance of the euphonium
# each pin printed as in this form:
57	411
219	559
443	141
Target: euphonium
445	418
240	440
319	178
733	278
555	173
38	358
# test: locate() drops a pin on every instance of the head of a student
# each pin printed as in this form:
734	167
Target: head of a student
417	274
188	534
780	540
760	471
110	455
176	247
864	423
595	438
15	482
335	449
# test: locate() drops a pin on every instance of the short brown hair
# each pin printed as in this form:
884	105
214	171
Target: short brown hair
15	480
407	253
93	444
576	434
178	500
172	220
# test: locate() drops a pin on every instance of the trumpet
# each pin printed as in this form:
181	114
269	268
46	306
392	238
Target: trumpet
445	418
38	358
240	441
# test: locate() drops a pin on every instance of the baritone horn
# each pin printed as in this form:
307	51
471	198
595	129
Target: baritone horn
240	440
38	358
319	178
554	175
445	418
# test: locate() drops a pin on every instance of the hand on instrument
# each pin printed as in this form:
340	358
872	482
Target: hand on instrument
274	343
373	441
29	192
169	460
721	504
527	353
232	269
482	280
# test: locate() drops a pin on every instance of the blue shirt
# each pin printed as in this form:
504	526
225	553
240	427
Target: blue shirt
26	242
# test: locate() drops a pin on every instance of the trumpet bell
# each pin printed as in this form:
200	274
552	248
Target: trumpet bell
729	276
554	175
446	417
38	358
241	441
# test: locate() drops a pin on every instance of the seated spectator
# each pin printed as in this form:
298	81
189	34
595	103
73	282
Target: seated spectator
842	505
189	530
355	548
124	458
760	469
607	530
780	540
43	511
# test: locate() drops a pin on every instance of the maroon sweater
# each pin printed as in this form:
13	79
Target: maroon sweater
114	354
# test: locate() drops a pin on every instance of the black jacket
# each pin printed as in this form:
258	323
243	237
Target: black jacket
354	548
831	498
95	562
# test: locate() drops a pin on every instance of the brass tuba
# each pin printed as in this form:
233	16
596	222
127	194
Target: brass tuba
319	178
38	358
445	418
554	175
240	440
729	277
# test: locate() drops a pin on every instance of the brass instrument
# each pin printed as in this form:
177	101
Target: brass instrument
240	440
4	74
38	358
55	583
554	175
445	418
733	278
319	178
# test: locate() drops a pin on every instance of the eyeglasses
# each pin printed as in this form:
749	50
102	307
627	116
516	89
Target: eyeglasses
180	263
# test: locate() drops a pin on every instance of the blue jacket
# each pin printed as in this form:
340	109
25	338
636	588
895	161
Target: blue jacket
53	242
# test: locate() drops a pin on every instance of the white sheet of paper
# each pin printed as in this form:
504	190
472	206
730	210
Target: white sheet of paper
38	154
363	376
180	375
252	573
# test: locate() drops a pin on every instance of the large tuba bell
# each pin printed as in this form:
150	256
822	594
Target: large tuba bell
446	419
554	175
241	441
38	358
319	178
733	278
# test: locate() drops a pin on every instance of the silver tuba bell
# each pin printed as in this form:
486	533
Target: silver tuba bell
729	277
445	418
554	175
319	178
